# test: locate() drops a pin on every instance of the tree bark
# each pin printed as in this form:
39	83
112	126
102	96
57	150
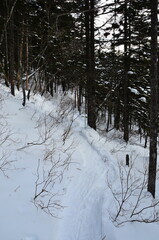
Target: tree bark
6	58
90	63
11	54
154	101
126	80
27	57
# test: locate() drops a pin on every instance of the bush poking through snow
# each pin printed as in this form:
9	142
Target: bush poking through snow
133	203
56	158
5	140
45	197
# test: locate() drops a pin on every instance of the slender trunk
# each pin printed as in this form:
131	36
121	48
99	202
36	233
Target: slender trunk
27	58
154	101
87	49
6	59
126	80
21	66
51	87
117	112
79	97
11	54
19	73
90	58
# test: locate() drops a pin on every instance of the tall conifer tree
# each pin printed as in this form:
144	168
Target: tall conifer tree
154	101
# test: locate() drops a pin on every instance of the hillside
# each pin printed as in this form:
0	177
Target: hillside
61	180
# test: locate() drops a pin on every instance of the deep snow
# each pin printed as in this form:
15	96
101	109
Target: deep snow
49	134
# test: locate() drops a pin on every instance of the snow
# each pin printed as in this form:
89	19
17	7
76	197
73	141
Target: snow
49	136
131	73
133	90
143	99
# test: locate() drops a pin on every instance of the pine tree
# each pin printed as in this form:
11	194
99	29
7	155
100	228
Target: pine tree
90	62
154	101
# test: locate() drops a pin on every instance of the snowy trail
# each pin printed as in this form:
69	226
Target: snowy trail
85	196
82	216
84	191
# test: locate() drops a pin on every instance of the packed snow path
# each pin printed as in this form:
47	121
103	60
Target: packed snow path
86	197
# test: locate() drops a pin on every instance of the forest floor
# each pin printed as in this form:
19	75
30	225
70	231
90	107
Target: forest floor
61	180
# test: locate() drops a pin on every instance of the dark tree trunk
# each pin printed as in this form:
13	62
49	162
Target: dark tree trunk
6	67
51	87
90	63
154	101
27	57
20	59
21	67
79	97
126	80
117	112
11	54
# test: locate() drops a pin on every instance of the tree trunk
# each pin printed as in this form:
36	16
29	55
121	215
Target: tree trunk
154	101
90	63
21	67
20	56
126	80
117	113
27	57
6	67
79	97
11	54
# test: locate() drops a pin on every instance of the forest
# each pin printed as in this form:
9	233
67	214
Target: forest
105	52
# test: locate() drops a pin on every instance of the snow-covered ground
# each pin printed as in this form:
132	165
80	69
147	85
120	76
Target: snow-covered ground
61	180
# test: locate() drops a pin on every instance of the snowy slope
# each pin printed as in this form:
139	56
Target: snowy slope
49	134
